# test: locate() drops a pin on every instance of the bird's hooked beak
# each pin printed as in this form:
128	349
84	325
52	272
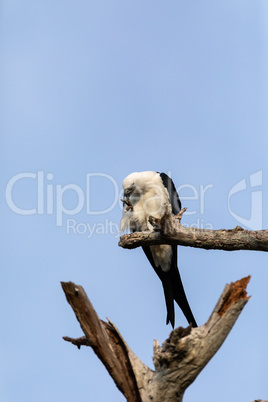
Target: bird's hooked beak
127	193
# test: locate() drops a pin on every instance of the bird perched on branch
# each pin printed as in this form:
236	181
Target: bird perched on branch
154	194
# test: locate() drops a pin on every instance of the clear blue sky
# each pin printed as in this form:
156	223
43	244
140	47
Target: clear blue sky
90	92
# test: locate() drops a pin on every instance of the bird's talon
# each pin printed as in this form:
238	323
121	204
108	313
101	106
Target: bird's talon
128	203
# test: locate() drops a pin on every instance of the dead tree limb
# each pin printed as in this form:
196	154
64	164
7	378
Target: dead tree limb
177	362
169	230
128	372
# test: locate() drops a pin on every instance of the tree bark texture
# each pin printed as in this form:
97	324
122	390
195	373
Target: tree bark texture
169	230
177	362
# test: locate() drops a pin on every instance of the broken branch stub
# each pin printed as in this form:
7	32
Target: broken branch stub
177	362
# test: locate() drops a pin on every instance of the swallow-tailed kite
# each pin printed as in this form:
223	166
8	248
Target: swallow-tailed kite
153	194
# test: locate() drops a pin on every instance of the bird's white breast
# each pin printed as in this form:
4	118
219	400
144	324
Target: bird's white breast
150	199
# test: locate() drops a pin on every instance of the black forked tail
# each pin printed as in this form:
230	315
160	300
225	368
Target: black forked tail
168	291
173	288
178	290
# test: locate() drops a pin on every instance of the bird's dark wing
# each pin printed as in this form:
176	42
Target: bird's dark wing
173	195
167	286
171	280
173	288
178	289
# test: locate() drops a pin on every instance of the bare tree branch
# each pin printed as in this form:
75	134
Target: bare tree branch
177	362
169	230
125	368
82	341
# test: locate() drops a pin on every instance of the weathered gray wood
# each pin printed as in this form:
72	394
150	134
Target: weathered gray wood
177	362
126	369
169	230
183	356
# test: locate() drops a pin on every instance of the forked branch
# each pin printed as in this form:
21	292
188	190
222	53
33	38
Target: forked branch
178	361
